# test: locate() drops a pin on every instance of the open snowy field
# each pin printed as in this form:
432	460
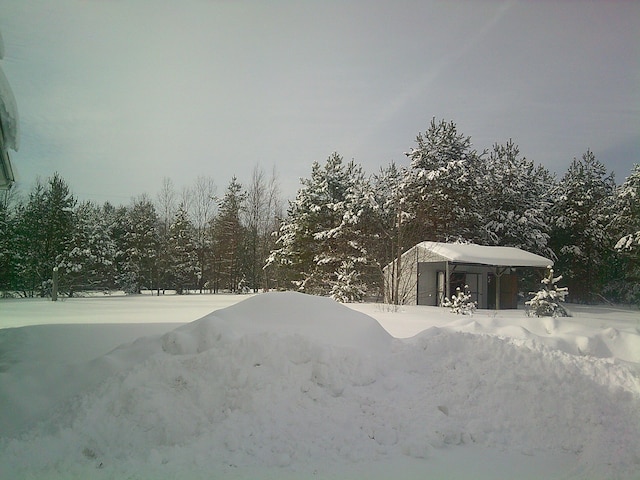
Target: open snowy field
284	385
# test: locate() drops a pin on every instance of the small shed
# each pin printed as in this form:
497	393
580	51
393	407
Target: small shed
429	271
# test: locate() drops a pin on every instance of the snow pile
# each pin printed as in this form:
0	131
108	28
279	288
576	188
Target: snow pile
303	386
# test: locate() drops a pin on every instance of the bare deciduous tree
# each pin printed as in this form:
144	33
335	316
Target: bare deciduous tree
263	208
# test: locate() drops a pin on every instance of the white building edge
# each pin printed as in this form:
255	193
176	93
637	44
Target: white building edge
9	138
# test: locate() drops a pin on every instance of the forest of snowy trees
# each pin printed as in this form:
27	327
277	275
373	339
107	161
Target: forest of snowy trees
188	240
342	228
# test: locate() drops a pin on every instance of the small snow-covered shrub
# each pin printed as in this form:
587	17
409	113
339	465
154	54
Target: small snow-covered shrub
546	301
348	286
461	302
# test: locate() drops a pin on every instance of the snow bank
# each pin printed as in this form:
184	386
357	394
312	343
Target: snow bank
290	385
604	332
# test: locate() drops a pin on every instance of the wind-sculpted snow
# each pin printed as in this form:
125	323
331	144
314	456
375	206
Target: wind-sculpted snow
602	343
294	382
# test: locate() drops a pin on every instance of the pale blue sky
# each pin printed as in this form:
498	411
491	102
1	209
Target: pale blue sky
115	95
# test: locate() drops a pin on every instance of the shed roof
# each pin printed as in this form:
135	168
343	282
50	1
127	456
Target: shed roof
484	255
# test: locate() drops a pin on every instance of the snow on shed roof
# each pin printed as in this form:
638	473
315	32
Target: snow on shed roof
485	255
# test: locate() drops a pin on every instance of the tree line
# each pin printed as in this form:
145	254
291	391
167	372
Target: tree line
344	226
339	232
183	241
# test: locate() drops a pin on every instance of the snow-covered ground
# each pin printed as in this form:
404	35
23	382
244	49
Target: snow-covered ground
284	385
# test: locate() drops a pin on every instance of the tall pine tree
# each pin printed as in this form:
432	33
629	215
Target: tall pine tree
322	241
580	237
512	201
44	233
9	208
183	254
439	185
626	229
228	240
138	251
90	262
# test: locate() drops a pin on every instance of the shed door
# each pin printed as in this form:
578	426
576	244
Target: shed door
426	288
508	291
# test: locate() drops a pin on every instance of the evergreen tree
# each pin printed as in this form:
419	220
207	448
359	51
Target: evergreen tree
90	262
582	212
626	230
439	185
512	201
119	227
137	256
626	219
228	239
461	302
348	284
351	242
546	301
322	239
44	232
183	254
9	209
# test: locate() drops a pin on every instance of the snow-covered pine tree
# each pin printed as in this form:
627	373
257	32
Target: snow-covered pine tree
138	252
439	184
512	201
184	268
581	238
348	285
626	226
9	208
627	213
461	302
228	239
546	301
90	262
323	229
43	235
